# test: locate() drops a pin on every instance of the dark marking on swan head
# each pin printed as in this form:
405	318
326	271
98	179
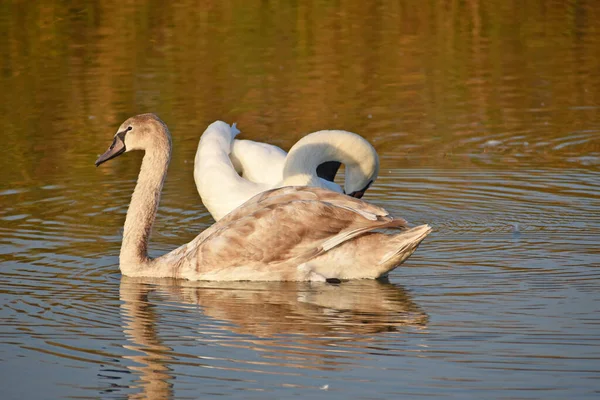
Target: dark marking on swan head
116	148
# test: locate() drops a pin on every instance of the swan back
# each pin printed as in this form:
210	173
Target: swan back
274	235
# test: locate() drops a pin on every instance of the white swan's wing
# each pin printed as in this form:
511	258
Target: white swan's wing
258	162
219	185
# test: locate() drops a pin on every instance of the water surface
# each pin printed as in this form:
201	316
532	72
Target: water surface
486	116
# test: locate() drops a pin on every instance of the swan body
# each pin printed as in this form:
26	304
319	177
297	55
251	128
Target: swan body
220	159
285	234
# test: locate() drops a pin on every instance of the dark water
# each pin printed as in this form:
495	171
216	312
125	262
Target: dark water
486	116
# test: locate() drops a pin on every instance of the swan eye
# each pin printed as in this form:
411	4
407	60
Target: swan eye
129	128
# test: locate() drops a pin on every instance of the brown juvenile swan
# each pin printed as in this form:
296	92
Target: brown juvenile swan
290	233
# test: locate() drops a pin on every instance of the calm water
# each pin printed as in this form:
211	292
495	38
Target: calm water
486	116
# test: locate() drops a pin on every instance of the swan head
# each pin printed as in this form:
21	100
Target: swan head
142	132
363	169
329	149
358	181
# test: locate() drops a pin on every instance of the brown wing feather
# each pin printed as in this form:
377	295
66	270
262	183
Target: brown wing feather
283	232
294	193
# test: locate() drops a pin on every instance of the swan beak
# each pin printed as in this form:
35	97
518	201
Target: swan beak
358	194
116	148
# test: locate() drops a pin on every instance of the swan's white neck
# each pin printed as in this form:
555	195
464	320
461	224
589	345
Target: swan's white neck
142	210
300	167
307	154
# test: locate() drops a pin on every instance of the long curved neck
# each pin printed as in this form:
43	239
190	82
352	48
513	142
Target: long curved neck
317	148
142	210
300	168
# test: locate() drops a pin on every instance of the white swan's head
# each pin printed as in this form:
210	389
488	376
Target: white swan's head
142	132
327	150
360	176
359	158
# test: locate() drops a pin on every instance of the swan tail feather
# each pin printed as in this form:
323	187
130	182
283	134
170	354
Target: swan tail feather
234	130
348	235
403	245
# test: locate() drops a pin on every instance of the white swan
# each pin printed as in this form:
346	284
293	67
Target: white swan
220	159
291	233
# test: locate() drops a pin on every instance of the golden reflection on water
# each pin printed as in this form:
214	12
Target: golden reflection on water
428	83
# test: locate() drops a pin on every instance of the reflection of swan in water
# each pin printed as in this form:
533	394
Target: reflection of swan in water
331	313
264	310
139	326
271	308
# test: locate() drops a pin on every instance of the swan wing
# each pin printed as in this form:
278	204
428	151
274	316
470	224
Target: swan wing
218	183
270	242
258	162
288	194
295	193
